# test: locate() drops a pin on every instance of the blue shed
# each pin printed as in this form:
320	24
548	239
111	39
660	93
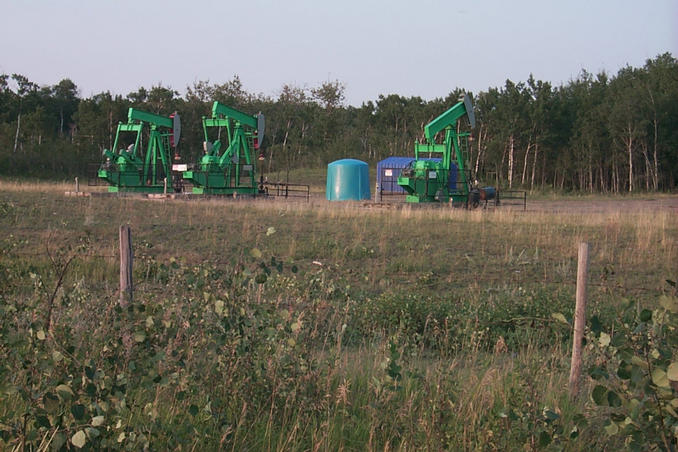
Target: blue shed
388	171
348	179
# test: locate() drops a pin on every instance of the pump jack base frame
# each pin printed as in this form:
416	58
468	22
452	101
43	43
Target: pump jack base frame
245	191
140	189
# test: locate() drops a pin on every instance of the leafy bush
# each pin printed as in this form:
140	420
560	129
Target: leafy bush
636	368
456	320
257	354
104	377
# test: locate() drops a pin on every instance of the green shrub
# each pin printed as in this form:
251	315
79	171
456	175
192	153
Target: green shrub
636	368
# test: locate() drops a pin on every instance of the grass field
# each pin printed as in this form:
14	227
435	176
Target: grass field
271	325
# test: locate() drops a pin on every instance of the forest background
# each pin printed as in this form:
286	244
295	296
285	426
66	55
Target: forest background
597	133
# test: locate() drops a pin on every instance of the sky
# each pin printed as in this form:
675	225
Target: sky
423	48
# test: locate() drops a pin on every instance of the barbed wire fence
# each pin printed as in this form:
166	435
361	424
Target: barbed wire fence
599	278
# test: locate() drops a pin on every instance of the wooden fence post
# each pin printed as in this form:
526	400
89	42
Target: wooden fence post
579	317
126	287
77	185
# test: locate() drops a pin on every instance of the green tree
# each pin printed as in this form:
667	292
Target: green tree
660	96
588	137
291	107
97	118
330	94
163	101
231	93
65	98
625	120
25	89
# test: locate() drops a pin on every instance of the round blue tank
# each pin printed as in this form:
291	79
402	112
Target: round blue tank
348	180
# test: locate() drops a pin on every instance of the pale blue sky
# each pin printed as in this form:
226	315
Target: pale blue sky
425	48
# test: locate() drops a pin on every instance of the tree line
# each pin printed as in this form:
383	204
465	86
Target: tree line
597	133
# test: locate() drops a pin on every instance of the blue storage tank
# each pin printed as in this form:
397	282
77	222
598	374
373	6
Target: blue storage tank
348	180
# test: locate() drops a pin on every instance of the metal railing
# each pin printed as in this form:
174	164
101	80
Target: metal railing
512	198
236	176
285	190
389	182
390	189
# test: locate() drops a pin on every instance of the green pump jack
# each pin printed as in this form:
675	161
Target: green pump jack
228	165
429	180
127	169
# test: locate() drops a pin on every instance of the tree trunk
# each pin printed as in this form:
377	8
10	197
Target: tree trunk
16	136
500	170
648	167
527	154
303	137
629	148
110	130
534	164
655	172
615	177
284	144
480	151
510	162
543	169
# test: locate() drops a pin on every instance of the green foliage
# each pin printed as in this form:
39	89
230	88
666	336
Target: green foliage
393	368
122	387
637	376
136	378
272	332
595	134
456	320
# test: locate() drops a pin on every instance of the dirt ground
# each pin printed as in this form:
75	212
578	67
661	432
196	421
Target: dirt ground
664	203
659	203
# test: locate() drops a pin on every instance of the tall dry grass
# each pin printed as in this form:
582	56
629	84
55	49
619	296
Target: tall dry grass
459	395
